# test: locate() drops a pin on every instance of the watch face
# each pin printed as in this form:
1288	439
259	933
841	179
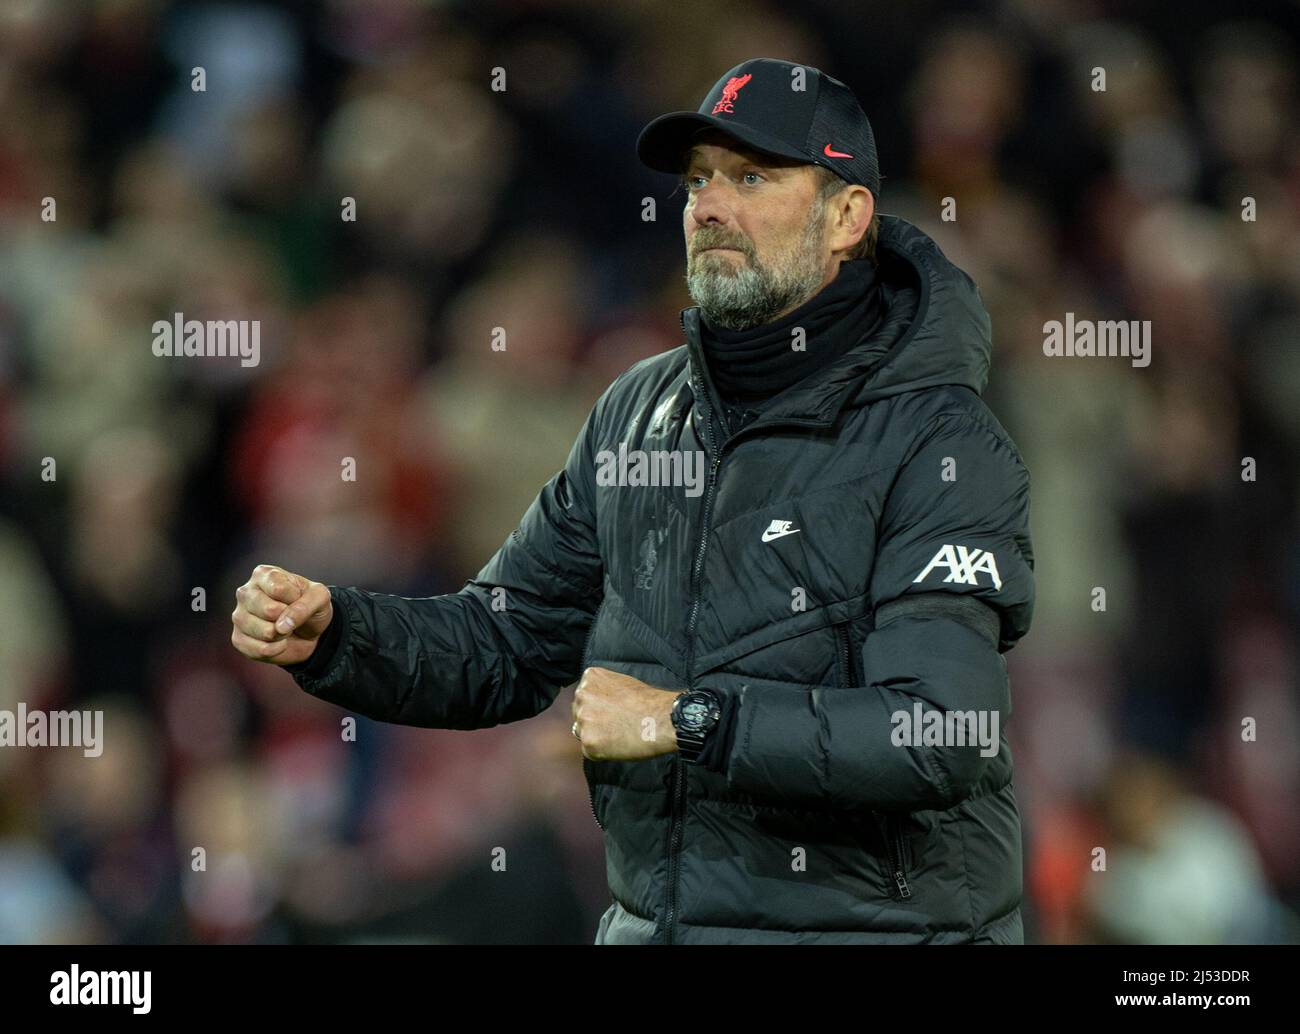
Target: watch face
694	714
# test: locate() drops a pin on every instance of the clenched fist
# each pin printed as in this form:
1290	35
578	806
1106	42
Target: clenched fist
619	718
279	616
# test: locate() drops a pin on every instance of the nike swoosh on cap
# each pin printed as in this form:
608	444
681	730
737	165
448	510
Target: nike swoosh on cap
834	154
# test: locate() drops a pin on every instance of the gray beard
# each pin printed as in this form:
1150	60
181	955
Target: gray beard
752	294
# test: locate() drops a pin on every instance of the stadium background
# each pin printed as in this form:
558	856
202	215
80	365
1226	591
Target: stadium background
522	209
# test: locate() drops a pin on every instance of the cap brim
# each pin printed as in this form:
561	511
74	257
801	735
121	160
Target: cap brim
663	142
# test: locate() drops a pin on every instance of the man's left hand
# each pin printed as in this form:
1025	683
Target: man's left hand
620	718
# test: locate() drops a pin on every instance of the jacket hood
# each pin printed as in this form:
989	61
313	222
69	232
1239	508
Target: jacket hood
935	330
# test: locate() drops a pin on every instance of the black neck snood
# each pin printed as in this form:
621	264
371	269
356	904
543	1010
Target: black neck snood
752	365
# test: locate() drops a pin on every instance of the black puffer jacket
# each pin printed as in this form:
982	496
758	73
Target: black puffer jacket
903	575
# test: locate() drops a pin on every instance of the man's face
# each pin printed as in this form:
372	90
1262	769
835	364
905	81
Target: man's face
755	233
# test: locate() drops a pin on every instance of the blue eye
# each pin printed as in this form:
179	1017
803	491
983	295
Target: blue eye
689	181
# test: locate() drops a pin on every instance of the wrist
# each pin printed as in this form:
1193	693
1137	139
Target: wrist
695	715
673	743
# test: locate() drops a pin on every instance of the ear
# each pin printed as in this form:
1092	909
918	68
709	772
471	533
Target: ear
851	212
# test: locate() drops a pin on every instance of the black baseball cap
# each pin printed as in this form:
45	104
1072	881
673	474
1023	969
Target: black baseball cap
759	103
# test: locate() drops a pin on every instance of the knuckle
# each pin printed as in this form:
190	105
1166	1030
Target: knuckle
241	644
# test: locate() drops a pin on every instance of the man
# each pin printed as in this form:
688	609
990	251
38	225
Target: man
792	683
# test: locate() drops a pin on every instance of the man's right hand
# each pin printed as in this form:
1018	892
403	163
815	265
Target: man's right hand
279	616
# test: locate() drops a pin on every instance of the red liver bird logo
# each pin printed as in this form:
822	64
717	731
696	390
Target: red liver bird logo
729	93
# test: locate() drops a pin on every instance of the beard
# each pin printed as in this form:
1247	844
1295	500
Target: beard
739	295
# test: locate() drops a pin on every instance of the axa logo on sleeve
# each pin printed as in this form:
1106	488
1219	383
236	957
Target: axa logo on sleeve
964	566
95	987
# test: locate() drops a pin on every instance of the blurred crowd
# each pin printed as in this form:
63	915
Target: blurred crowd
228	807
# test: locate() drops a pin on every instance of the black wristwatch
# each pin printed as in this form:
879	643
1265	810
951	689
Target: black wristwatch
695	714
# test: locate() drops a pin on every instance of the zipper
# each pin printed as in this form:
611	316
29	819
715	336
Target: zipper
586	761
674	844
591	794
845	658
894	842
698	570
679	766
900	874
591	632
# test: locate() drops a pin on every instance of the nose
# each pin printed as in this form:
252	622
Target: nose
713	203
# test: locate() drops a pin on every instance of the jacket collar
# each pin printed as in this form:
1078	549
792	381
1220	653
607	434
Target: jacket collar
935	331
